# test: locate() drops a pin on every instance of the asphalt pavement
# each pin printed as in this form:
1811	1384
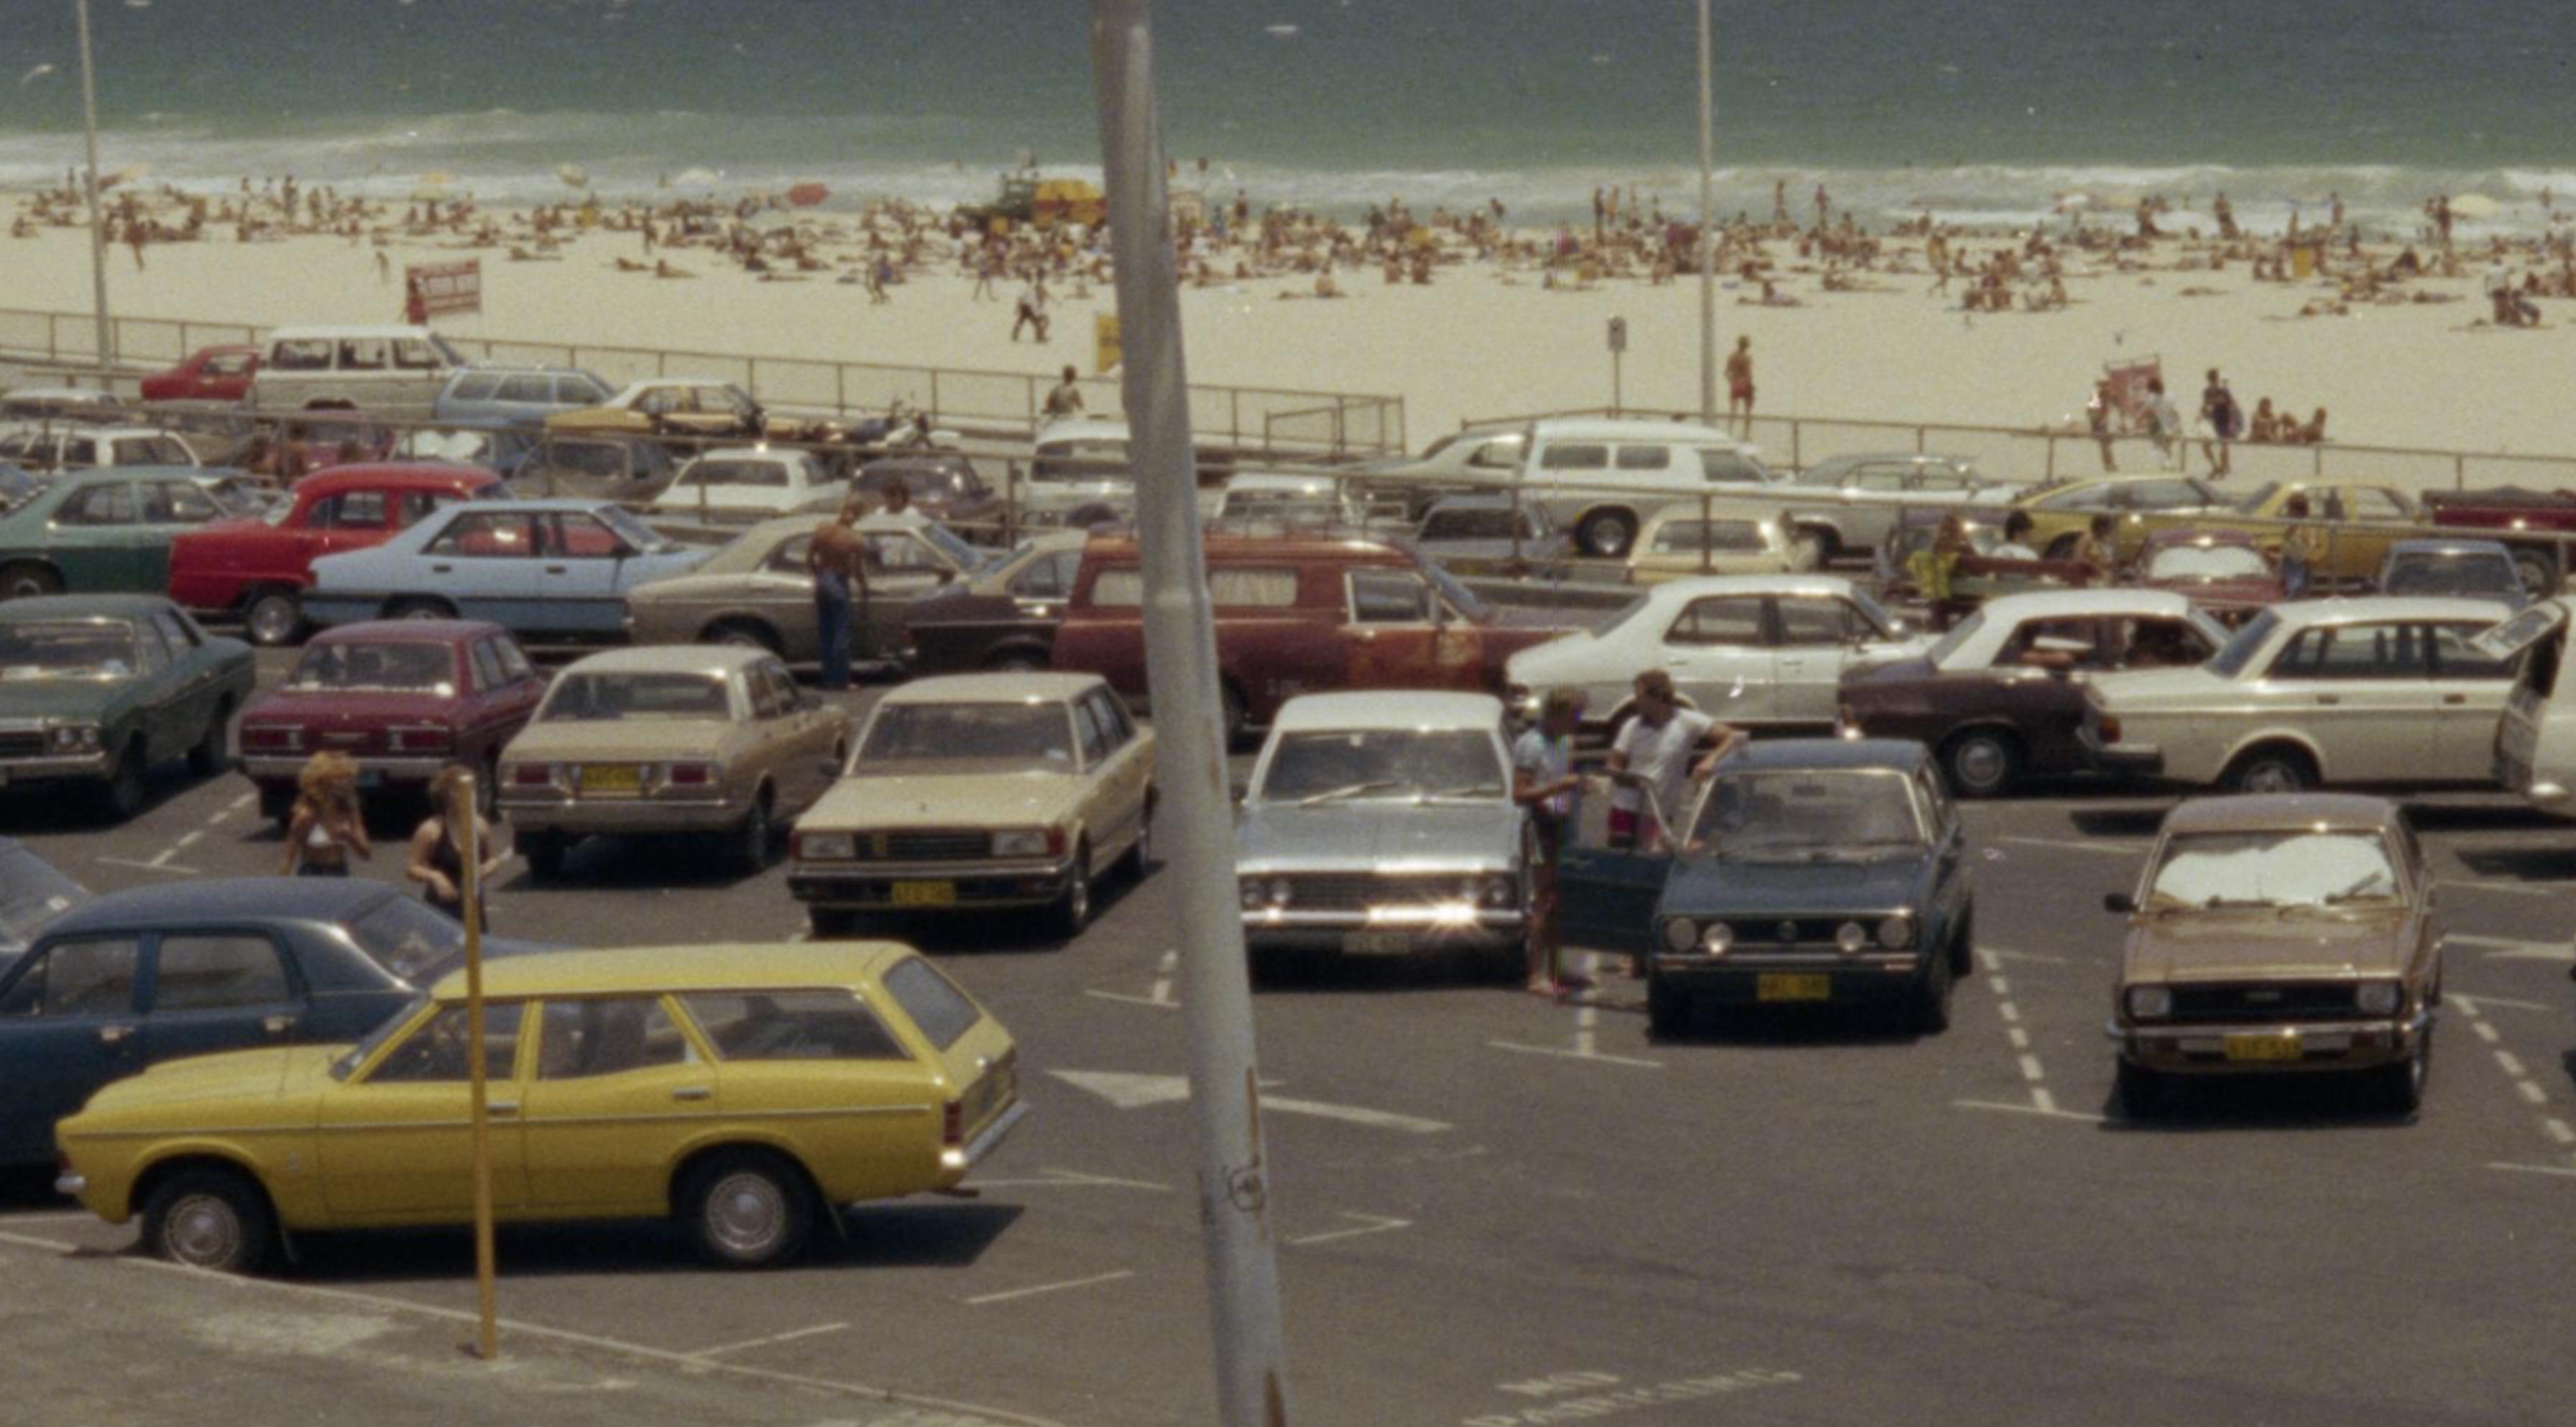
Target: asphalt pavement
1492	1209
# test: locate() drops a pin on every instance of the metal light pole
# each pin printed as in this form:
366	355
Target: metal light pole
1195	806
1707	228
97	227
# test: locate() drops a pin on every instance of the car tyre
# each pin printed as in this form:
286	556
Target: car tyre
211	1218
26	578
1981	762
207	757
128	784
1233	717
1668	1009
1932	994
1016	661
1606	533
2538	569
2144	1094
273	617
1073	910
832	923
752	842
747	1209
276	805
1140	854
1963	944
420	609
2273	770
2400	1087
544	853
740	634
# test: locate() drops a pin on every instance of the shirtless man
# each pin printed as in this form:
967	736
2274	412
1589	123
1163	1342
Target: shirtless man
838	557
1739	383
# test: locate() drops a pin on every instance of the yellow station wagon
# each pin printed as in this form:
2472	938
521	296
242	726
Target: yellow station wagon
750	1092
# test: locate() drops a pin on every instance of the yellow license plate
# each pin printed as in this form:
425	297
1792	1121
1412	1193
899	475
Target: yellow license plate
2262	1047
611	778
1787	986
923	894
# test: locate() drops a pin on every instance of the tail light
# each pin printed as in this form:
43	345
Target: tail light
532	775
2110	729
692	775
271	738
420	740
952	1124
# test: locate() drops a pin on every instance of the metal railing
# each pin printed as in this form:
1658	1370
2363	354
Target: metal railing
1335	425
2024	453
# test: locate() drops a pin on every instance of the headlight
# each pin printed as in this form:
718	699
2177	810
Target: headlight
2379	998
1025	842
76	737
2150	1003
1717	939
1253	901
1679	934
1850	937
1896	932
827	846
1501	891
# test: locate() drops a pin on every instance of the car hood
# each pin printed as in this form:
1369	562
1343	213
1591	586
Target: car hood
1386	836
2205	946
1022	798
270	1073
573	741
22	699
739	584
1705	886
357	707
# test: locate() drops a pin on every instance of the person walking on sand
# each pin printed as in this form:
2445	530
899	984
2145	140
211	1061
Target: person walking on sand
1544	781
2097	415
415	302
438	847
2219	411
1739	384
1032	308
1065	397
324	827
2164	423
838	557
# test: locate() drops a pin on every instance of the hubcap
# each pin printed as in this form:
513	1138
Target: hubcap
272	620
746	1213
1980	763
2270	778
204	1231
1078	901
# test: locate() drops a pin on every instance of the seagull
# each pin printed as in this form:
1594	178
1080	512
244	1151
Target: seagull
39	72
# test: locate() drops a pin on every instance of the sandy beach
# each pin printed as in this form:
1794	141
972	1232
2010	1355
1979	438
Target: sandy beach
1481	339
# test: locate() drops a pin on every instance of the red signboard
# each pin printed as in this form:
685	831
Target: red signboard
445	287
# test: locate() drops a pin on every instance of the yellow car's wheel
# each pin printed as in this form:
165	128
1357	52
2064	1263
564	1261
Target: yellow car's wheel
747	1209
209	1218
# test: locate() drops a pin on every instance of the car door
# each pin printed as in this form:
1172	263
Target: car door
69	1023
1123	785
508	691
780	1055
218	989
2372	519
486	563
1719	651
162	705
1398	639
2365	692
396	1138
582	576
94	541
196	677
2470	688
620	1090
171	508
1606	896
1816	635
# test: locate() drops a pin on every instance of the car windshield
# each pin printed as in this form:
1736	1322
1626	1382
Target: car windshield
357	1054
1809	815
1461	598
33	893
2304	867
403	667
69	649
946	542
1959	634
1330	766
770	474
635	532
2256	500
2474	572
408	937
904	737
2231	661
2207	562
601	697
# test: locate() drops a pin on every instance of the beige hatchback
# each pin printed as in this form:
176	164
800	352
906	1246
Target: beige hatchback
693	739
979	791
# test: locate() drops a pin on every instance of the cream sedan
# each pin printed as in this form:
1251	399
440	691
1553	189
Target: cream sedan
1684	540
672	740
976	791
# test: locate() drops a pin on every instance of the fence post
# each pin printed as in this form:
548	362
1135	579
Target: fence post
1707	537
841	389
1919	447
2048	467
1234	417
2459	470
1797	433
934	395
1010	503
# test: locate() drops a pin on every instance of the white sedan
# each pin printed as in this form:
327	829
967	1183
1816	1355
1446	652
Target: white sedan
2342	691
1763	651
740	484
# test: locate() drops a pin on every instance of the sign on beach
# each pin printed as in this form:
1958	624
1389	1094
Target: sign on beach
446	287
1104	342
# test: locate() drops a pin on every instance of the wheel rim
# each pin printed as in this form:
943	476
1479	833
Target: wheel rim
2536	572
25	586
1980	763
755	834
272	619
2270	776
204	1230
1605	534
736	637
422	611
746	1214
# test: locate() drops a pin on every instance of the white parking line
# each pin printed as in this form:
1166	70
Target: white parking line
1051	1178
158	864
815	1331
1160	996
2049	1110
2486	1033
1370	1224
1563	1054
2515	1072
1009	1294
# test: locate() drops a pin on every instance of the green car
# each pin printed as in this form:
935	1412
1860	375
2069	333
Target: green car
99	688
106	529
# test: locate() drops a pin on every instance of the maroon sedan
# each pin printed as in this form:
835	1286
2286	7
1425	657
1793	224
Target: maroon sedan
2222	571
213	374
402	697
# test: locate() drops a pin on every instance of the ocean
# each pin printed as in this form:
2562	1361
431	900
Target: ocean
1995	114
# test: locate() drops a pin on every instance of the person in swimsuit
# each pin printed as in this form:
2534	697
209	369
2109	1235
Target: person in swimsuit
437	852
325	826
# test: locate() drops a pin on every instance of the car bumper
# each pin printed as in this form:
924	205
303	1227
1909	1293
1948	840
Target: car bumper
1421	932
71	1186
52	769
2223	1049
2545	794
579	818
280	770
1738	978
2122	760
954	1163
929	887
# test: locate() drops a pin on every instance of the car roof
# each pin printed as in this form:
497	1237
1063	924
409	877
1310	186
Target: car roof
2348	609
423	475
2191	535
669	659
1672	592
1286	549
488	365
1083	428
649	383
2449	545
97	475
324	899
997	688
1764	754
1388	709
2257	811
751	453
535	505
346	329
2116	600
90	606
743	967
1631	428
406	631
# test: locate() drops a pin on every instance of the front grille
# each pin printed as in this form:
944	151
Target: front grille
924	846
2285	1001
1354	892
1788	931
22	745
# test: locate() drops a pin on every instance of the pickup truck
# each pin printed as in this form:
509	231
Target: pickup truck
259	569
1301	615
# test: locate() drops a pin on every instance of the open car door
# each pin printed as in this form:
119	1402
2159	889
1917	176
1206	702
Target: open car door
1606	896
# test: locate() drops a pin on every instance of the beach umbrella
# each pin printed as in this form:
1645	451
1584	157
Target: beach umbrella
807	194
429	193
438	178
573	175
694	177
2475	205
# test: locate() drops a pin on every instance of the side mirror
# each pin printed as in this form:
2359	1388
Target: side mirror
2120	902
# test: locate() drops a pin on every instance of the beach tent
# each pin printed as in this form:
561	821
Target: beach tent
2129	378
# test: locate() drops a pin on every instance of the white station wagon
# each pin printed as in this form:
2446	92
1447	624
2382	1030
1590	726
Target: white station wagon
2339	691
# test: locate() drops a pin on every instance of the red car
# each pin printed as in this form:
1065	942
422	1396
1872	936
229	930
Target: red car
259	568
2224	572
404	697
213	374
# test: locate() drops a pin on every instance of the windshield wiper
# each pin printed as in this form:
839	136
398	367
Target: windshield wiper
1472	790
2222	903
1352	790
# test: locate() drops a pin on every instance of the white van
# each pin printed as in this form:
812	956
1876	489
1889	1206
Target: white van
1601	477
2535	738
387	370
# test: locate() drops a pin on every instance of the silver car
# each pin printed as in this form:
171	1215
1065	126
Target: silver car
1382	824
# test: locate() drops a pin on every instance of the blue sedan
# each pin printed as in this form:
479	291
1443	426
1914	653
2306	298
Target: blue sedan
153	973
550	568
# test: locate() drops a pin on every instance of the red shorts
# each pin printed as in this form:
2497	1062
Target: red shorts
1740	391
1623	827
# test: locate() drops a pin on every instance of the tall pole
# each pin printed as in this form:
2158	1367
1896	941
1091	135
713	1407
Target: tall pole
464	815
1707	227
97	225
1195	806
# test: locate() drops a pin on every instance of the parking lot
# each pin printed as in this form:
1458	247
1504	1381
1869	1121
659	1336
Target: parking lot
1493	1208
